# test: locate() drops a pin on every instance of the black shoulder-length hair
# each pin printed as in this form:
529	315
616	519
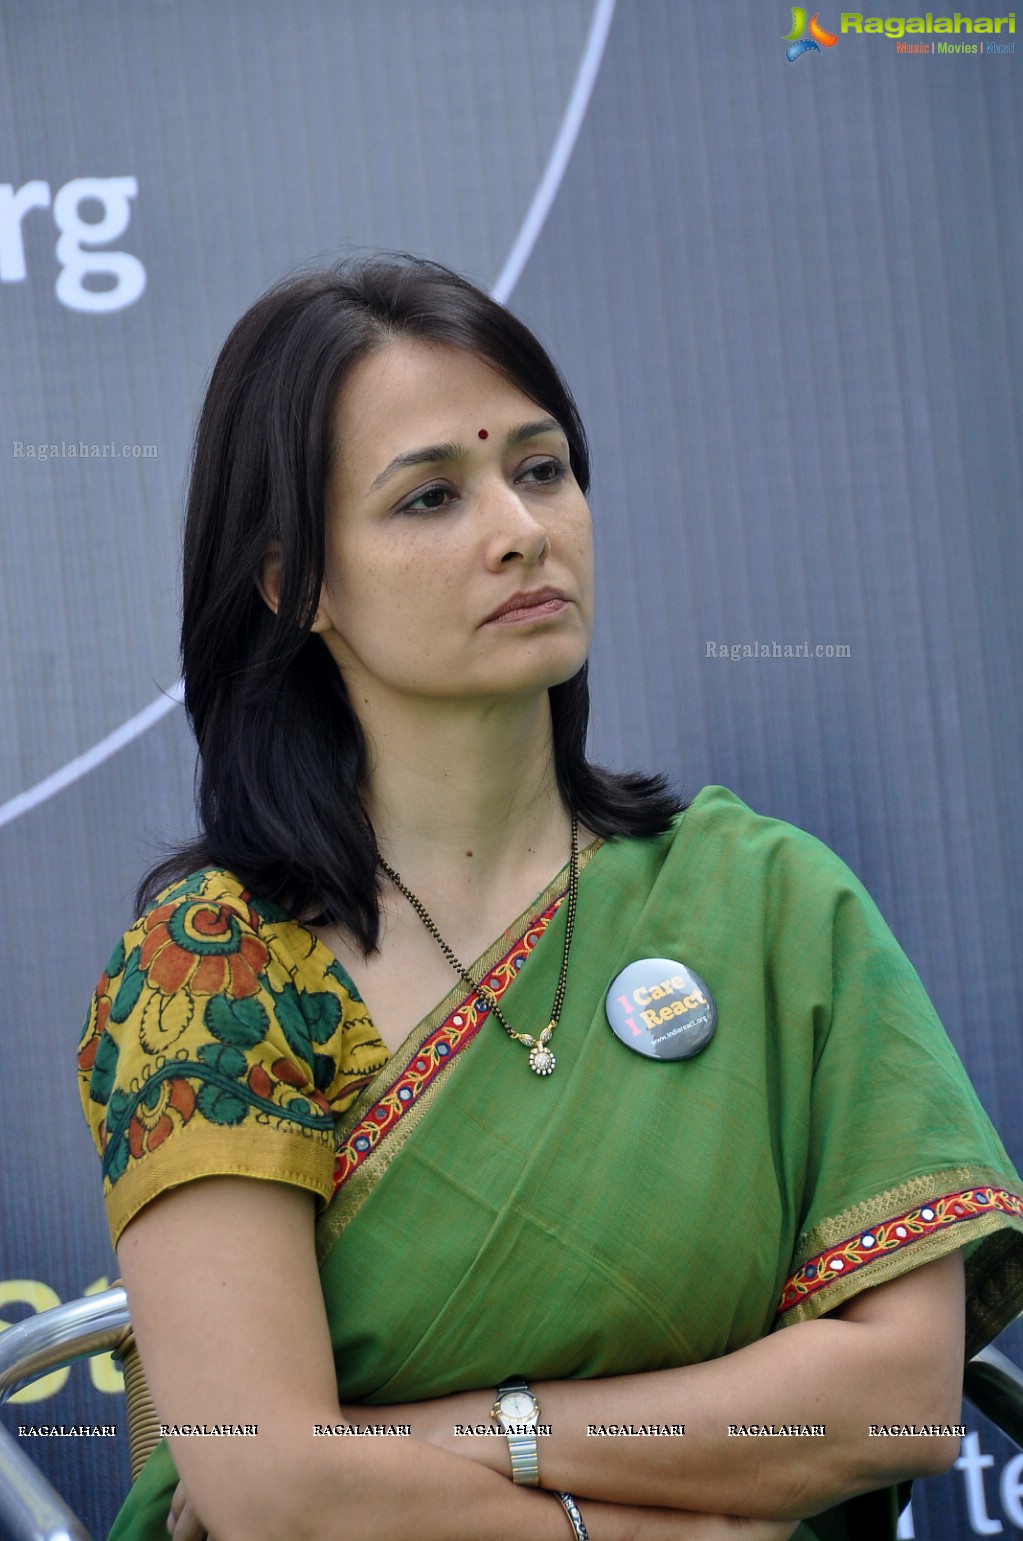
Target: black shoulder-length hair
282	757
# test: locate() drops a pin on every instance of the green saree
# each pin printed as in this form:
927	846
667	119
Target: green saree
629	1214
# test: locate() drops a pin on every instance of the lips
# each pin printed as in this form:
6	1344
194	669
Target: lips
529	606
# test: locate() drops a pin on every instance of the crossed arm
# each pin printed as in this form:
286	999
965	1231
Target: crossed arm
230	1320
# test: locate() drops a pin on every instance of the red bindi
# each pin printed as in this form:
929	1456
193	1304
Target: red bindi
483	434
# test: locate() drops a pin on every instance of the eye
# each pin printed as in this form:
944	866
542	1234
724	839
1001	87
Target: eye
544	473
430	501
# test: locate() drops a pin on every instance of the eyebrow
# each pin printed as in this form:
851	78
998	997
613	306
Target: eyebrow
438	454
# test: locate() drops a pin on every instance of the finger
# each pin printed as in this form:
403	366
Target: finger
177	1503
189	1527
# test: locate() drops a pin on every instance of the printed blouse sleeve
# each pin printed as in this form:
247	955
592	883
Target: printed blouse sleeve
903	1163
206	1053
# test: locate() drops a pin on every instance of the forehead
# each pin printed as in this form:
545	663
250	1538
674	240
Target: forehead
411	392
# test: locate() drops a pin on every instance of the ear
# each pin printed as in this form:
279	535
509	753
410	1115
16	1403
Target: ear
321	620
269	585
269	580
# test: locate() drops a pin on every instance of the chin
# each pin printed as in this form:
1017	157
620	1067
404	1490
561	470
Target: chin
555	661
549	660
539	679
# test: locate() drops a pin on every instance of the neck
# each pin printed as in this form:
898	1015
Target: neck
463	795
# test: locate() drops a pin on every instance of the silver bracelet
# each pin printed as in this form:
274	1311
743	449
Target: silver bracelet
575	1519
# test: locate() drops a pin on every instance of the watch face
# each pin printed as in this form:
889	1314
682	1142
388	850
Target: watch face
518	1406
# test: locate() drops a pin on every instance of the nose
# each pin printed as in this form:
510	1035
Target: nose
514	533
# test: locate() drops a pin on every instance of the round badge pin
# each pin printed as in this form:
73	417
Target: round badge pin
660	1008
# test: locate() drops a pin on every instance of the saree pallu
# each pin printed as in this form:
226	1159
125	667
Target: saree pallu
628	1214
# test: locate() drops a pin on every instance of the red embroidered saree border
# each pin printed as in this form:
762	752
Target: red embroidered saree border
438	1050
934	1217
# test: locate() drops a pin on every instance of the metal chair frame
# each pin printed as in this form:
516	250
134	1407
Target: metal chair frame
32	1510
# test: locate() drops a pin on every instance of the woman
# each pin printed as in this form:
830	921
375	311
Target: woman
388	596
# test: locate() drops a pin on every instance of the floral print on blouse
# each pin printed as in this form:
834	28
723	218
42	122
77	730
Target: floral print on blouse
223	1039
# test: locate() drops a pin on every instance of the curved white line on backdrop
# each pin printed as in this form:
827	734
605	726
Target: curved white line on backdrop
522	248
82	764
560	155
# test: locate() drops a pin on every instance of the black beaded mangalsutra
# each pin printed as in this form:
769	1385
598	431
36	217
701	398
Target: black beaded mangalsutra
540	1057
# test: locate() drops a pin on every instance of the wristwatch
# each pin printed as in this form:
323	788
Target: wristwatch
518	1412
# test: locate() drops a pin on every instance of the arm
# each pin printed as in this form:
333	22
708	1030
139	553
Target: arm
230	1320
890	1355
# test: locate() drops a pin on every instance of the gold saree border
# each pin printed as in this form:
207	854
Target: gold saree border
914	1223
406	1087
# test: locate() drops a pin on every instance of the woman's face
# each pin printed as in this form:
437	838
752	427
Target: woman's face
458	553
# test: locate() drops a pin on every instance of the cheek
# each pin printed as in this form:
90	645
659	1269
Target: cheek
579	542
386	604
582	523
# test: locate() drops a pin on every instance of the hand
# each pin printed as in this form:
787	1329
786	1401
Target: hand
183	1523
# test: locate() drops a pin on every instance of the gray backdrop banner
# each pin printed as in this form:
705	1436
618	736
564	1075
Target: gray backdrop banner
787	296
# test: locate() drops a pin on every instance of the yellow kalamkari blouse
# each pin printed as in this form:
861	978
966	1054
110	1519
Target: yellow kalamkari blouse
225	1023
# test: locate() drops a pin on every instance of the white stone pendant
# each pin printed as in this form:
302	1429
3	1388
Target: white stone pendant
541	1060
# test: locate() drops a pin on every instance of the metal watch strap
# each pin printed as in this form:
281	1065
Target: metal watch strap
522	1448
